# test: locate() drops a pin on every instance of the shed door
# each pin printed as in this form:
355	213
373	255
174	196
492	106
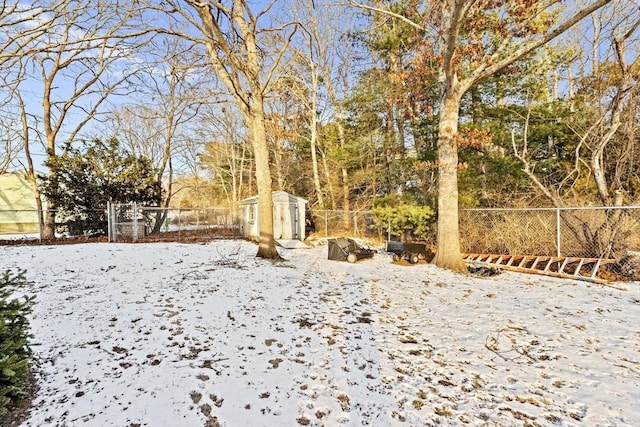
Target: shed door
285	221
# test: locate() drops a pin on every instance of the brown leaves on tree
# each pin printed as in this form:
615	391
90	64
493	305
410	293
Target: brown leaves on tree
475	139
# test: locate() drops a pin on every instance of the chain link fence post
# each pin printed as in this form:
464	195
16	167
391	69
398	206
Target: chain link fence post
110	233
558	234
326	224
134	234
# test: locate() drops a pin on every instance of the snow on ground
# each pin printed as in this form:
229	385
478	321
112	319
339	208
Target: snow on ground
170	334
20	236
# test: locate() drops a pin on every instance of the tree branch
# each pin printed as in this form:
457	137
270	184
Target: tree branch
498	63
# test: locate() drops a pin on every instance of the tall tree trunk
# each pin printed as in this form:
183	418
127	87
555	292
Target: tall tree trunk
277	163
448	254
161	215
398	118
241	175
346	199
231	36
389	150
255	121
313	115
251	174
327	176
49	230
234	176
596	26
314	163
31	172
346	196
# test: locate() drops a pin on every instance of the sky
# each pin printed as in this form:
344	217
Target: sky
31	89
171	334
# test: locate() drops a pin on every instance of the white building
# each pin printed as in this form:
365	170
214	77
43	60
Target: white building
288	216
18	209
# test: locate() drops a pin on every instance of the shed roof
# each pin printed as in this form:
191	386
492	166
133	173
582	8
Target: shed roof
275	195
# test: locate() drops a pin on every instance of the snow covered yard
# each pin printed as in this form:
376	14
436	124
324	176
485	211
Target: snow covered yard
170	334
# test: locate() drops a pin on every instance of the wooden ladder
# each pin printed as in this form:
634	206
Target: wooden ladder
565	267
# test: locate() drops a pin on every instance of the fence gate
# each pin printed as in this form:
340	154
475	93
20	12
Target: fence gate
125	221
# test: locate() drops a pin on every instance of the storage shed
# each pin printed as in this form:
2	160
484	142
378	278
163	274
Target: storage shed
18	210
288	216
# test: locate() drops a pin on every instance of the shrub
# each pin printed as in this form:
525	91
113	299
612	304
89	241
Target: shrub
15	353
405	220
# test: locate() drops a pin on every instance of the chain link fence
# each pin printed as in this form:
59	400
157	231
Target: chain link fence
594	232
328	223
131	222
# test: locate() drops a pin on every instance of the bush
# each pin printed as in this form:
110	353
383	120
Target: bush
15	353
409	221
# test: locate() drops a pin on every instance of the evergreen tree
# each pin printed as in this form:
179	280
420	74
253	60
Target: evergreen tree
15	354
101	172
401	216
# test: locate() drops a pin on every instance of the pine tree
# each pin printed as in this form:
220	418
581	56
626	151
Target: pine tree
15	354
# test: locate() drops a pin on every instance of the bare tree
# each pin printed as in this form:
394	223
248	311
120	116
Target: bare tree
305	78
235	42
22	25
79	59
10	138
625	98
173	89
468	49
325	69
610	93
227	154
606	153
320	70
